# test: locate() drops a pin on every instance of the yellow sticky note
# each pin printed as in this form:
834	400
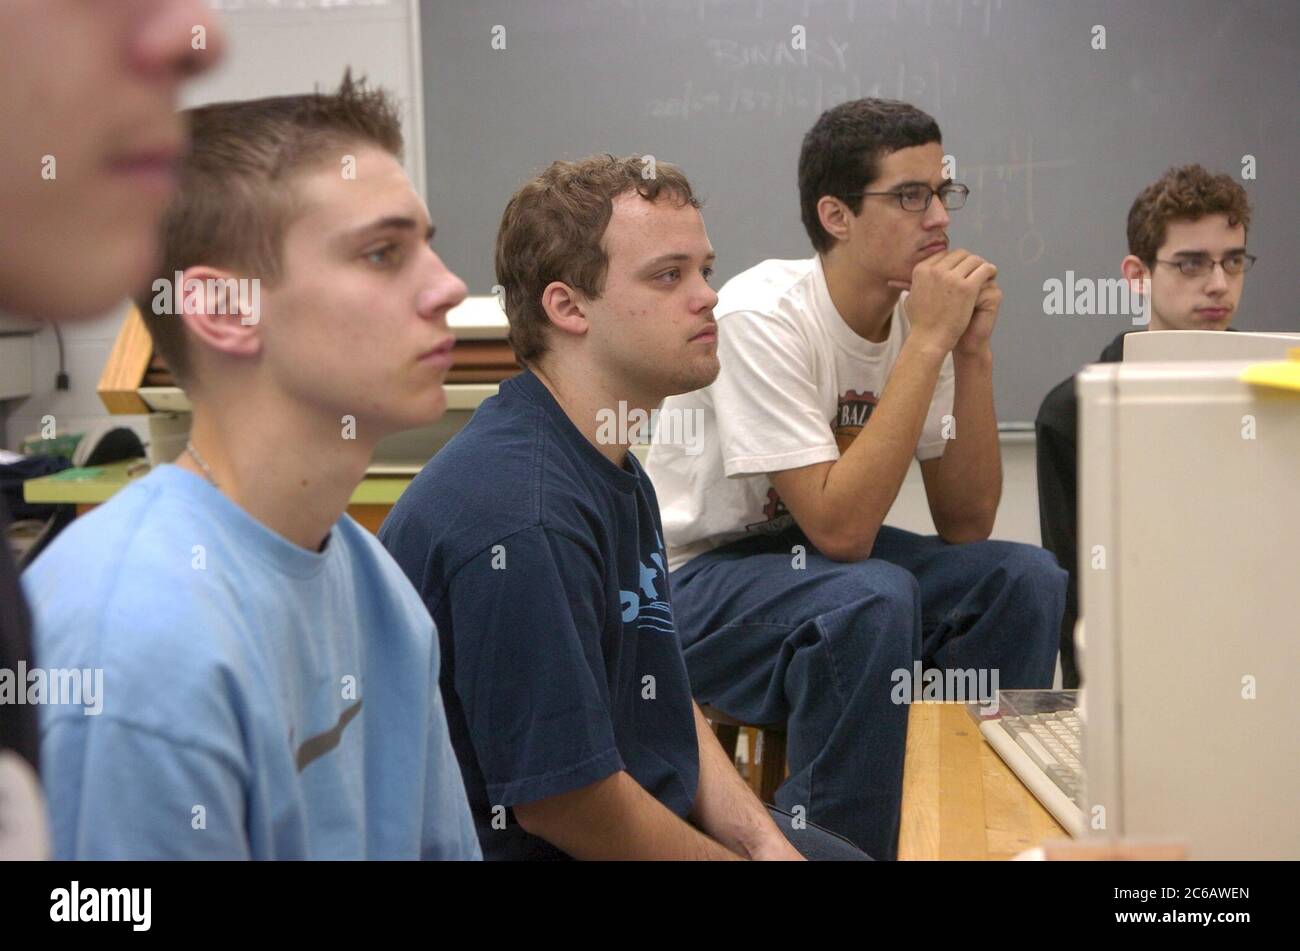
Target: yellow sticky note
1283	376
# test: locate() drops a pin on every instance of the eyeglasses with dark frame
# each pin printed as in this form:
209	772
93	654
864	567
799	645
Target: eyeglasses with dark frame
1199	266
918	197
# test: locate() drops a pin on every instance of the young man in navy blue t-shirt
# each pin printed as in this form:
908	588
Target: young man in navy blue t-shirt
534	539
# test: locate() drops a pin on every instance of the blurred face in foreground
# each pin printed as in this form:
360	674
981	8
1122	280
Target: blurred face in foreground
92	138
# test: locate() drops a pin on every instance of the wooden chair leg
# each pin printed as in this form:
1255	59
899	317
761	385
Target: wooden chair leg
772	767
753	751
727	735
765	769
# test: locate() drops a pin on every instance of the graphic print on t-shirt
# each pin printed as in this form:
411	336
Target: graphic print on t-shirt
645	606
776	517
850	416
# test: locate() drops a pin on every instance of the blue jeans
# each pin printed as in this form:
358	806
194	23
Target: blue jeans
819	647
815	843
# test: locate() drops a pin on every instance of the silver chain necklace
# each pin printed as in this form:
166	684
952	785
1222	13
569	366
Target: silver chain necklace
198	460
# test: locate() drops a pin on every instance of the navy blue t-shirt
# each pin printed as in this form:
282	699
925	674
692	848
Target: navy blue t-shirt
543	565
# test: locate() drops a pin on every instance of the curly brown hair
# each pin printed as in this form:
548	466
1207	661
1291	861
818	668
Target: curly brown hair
1185	193
553	229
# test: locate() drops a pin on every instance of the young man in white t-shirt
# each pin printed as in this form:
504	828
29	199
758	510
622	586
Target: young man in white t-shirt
795	603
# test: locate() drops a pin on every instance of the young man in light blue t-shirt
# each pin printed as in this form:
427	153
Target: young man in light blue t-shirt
79	213
264	678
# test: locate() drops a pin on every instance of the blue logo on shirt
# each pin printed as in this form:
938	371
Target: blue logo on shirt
647	608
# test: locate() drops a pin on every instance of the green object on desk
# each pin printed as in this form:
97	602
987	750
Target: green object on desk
63	446
99	483
78	475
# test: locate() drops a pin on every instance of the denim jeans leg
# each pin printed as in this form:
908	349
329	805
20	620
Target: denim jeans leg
815	646
990	605
815	843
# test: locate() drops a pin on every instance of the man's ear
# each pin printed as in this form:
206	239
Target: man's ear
1135	272
221	310
564	306
835	217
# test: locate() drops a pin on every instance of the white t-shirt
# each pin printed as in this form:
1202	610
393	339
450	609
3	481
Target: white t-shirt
797	385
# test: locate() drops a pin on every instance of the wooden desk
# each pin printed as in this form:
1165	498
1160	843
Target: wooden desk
369	505
960	801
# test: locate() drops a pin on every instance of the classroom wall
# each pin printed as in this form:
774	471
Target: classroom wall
1017	519
86	346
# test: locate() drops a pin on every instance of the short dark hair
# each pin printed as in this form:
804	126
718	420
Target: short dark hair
553	229
234	204
841	153
1182	194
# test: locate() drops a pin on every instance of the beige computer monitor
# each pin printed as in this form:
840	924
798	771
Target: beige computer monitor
1189	510
1166	345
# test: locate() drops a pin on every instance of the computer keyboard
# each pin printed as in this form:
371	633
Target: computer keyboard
1043	749
1052	742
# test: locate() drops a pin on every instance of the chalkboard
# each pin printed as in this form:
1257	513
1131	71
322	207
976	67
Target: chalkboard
1054	135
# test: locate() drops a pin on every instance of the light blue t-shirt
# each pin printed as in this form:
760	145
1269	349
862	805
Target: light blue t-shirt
259	700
